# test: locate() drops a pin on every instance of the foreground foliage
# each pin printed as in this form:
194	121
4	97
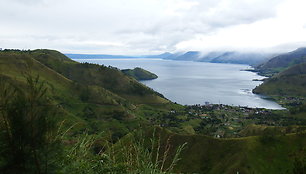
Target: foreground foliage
32	140
105	106
28	128
131	155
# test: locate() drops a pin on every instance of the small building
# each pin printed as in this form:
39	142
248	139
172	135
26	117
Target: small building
203	116
172	111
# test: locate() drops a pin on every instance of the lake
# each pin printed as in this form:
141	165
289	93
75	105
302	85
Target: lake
187	82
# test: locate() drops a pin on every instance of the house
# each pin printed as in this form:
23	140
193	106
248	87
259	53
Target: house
203	115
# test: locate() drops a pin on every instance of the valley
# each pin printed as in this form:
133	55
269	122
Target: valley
153	87
100	101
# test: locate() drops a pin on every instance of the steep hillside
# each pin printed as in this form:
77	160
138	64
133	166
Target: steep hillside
109	78
283	61
93	97
290	82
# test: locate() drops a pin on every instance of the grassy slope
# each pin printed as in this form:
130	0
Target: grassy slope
287	84
109	78
95	97
267	154
291	82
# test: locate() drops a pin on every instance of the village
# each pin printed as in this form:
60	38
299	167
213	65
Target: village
222	121
291	101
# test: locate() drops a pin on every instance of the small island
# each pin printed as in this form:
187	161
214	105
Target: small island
139	74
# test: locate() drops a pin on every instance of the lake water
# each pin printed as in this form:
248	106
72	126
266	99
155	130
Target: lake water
187	82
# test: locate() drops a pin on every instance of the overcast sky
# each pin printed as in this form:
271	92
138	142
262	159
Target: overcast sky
134	27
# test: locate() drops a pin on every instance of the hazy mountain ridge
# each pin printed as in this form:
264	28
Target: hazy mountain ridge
250	58
96	56
214	57
242	58
283	61
189	56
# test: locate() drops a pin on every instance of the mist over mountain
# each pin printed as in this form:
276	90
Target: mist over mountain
282	61
162	56
249	58
241	58
190	56
96	56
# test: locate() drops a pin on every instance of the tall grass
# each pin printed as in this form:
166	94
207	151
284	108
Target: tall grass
133	154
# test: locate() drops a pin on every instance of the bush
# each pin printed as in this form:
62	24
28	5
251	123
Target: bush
28	128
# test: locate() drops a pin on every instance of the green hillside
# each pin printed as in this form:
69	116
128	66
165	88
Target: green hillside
288	88
94	97
105	108
290	82
139	74
90	74
282	62
259	154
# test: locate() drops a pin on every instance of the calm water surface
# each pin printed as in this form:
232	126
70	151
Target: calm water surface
187	82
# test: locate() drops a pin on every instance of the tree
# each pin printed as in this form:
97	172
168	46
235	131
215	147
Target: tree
28	128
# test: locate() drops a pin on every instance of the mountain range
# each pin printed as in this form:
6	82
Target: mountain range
282	62
250	58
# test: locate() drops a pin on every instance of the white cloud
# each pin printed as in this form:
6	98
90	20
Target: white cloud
286	28
179	7
150	26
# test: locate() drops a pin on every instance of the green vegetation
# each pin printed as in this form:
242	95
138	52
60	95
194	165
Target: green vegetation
32	140
139	74
282	62
291	82
271	153
60	116
28	129
223	121
288	88
287	84
129	155
96	98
